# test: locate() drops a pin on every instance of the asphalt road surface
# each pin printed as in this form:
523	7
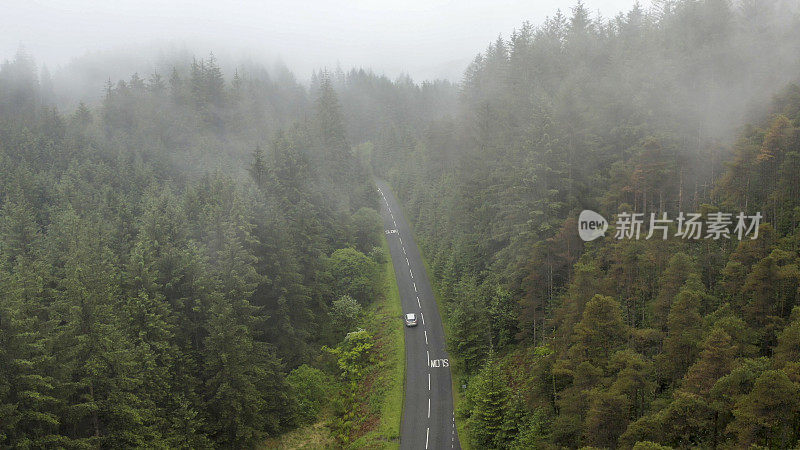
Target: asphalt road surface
428	419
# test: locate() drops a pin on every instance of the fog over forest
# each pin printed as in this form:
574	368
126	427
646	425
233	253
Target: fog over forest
197	247
426	39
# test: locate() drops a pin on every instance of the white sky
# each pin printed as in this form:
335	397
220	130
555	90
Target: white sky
425	38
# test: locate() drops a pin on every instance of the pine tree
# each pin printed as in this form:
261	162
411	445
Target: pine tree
19	231
606	418
177	87
684	328
330	133
675	275
244	388
258	168
687	420
97	374
715	361
150	326
759	288
155	84
214	82
788	348
27	397
488	397
634	380
470	327
769	413
515	419
600	331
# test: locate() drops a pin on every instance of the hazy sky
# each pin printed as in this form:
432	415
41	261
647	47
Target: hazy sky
425	38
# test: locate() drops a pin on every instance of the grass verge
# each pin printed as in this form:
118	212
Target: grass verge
311	436
385	398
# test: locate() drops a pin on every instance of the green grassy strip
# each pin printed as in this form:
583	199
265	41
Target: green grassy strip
312	436
384	320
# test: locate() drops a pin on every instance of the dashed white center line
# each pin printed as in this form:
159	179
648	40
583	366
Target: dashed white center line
422	316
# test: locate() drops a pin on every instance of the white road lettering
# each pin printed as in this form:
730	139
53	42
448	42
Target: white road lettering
444	362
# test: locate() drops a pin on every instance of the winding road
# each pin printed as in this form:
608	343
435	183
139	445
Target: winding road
428	419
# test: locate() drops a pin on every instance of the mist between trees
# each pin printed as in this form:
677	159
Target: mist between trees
172	256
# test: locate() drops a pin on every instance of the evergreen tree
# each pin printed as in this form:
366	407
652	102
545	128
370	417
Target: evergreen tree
244	387
714	362
684	325
600	330
470	327
27	396
768	414
488	397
